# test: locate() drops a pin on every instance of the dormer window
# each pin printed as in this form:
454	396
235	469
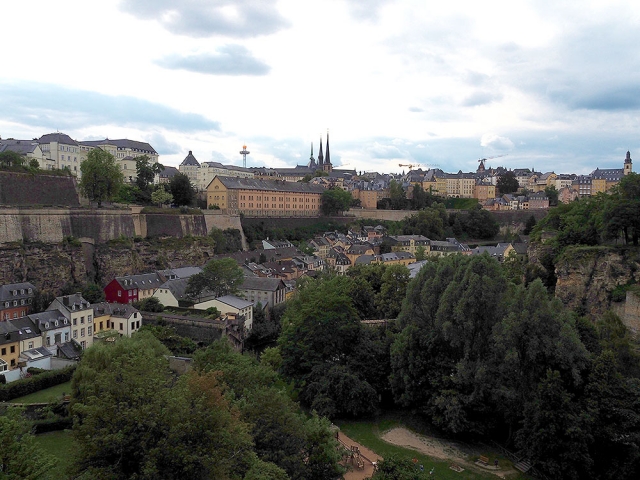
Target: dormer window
56	323
65	321
46	325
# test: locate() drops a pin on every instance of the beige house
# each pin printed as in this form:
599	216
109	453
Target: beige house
121	317
79	313
230	304
62	152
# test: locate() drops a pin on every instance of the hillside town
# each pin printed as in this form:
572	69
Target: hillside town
296	191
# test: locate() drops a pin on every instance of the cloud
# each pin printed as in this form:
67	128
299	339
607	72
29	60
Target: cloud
496	142
197	18
366	10
164	146
416	109
54	107
229	60
481	98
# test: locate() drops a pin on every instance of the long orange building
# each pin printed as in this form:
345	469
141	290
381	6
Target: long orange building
264	198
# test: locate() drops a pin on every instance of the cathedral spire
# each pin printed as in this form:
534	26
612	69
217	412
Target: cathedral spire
312	161
320	156
327	158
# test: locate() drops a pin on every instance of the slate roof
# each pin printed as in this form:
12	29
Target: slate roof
261	283
48	317
120	310
182	272
57	137
21	147
190	160
36	353
68	302
142	281
234	301
121	144
70	350
26	328
6	291
610	174
8	333
238	183
168	172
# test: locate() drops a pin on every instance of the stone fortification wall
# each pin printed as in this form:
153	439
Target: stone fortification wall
25	189
392	215
214	219
52	225
631	314
158	225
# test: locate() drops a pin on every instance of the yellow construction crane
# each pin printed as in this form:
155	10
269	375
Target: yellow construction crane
482	160
410	165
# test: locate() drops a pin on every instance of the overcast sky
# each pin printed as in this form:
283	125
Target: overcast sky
553	84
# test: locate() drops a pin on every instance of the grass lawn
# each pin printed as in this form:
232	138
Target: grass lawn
61	446
47	395
368	433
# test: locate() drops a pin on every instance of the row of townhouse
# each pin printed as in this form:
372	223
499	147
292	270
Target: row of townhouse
69	325
170	286
533	201
341	251
59	151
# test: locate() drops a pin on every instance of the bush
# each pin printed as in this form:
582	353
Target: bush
52	425
36	370
30	385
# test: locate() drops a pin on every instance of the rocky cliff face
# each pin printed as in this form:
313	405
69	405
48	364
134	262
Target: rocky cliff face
586	276
124	257
50	267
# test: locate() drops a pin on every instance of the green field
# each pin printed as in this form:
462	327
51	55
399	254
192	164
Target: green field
48	395
59	445
368	433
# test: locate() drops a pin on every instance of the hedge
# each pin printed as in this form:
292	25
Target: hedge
27	386
52	425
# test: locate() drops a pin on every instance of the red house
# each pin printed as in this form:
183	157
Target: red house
132	288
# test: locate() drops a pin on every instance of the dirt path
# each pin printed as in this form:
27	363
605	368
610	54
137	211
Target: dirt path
439	449
355	473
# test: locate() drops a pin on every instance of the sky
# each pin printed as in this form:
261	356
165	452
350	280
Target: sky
549	84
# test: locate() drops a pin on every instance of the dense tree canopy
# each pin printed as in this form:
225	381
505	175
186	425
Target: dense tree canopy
182	190
219	277
101	176
133	419
507	183
335	201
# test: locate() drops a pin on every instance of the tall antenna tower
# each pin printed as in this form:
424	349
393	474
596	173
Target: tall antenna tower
244	152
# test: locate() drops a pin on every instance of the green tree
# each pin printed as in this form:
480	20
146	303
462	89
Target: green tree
621	213
34	164
507	183
101	176
146	172
20	456
10	158
552	195
218	277
182	190
161	197
554	435
320	331
335	201
421	253
429	222
392	291
134	419
529	225
93	293
397	195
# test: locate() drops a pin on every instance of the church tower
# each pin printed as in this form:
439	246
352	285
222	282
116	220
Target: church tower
320	156
327	167
628	167
312	161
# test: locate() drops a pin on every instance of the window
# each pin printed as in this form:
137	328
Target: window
30	345
83	344
121	326
82	320
13	349
133	325
119	293
22	302
89	319
82	332
13	362
4	351
15	314
15	303
66	336
89	331
48	341
75	334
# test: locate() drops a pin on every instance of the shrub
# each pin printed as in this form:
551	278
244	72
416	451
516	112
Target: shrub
36	370
30	385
